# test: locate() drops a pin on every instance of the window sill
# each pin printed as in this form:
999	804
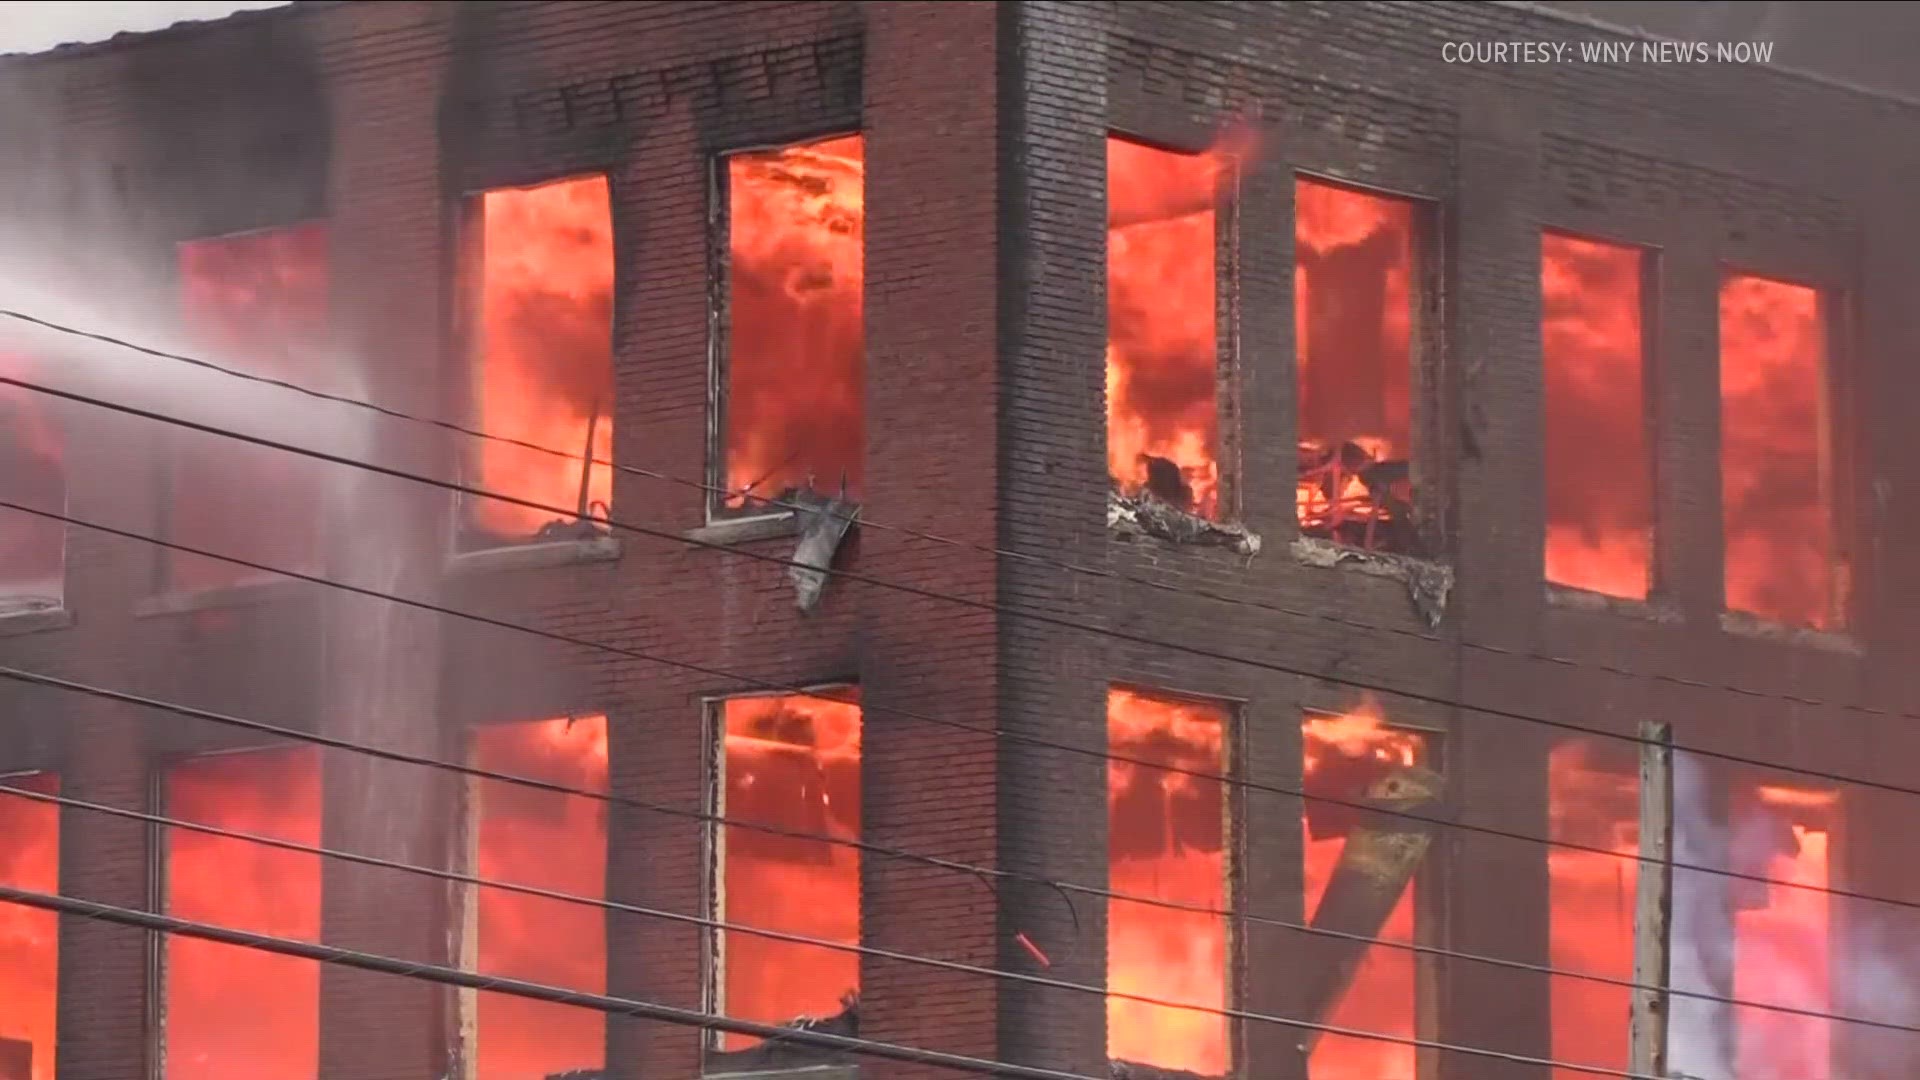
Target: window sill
746	530
534	556
1429	583
17	619
1741	624
243	594
1651	609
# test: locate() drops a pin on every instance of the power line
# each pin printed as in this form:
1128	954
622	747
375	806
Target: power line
467	980
330	954
887	954
933	594
868	522
802	691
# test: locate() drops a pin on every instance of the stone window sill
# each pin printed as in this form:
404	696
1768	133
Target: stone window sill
1753	627
16	621
1652	609
243	594
747	530
534	556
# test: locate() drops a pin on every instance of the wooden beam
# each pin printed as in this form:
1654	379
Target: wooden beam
1653	906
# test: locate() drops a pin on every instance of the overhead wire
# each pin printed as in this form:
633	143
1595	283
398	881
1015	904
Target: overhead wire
476	881
989	606
866	521
816	693
984	873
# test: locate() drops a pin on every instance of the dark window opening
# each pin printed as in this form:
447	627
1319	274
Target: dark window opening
1167	841
542	840
1599	464
233	1011
788	763
32	474
1163	359
29	937
791	398
1783	559
1357	291
541	364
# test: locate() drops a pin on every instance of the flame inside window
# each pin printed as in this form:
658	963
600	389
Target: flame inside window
258	302
544	370
1778	517
1354	280
1598	465
1166	841
794	413
29	937
1344	754
1594	804
542	840
790	763
32	549
1163	422
232	1011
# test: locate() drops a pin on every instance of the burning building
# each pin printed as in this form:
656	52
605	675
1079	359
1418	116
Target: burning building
1587	379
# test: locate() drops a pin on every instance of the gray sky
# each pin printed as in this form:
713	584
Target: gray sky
34	25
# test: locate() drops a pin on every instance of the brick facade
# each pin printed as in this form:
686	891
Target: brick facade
985	316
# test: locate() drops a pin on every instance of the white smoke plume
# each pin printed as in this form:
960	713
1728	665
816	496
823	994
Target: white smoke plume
28	26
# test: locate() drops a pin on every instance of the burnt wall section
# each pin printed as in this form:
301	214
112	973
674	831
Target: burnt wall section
1052	483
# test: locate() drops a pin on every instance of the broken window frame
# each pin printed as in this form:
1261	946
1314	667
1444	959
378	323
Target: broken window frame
1228	449
159	872
468	341
713	954
1429	467
1431	880
1233	838
1836	444
720	321
178	442
1650	333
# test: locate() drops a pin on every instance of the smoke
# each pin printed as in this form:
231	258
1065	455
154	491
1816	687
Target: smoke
1776	945
34	25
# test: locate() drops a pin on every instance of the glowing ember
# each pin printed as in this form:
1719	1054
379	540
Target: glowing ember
1163	424
1781	951
796	346
1781	554
231	1011
1166	840
30	938
544	370
543	840
258	302
1592	898
1353	316
791	763
32	549
1598	465
1342	755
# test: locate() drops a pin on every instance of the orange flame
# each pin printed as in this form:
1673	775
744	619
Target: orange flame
791	763
29	937
545	370
1166	841
32	549
1162	317
1353	311
1341	753
543	840
1781	555
256	301
1598	465
232	1011
796	346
